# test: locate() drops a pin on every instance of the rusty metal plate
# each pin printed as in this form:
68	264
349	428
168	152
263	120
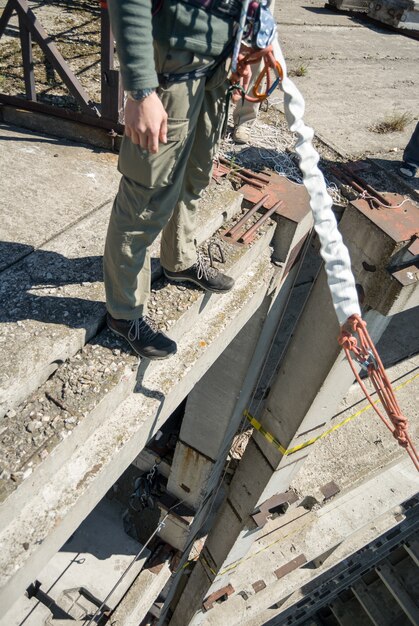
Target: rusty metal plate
221	594
399	224
295	197
329	490
265	509
290	566
259	585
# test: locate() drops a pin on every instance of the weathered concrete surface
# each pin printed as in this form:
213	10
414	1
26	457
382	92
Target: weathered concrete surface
363	511
364	445
356	73
57	507
141	596
78	562
47	185
54	298
400	14
95	381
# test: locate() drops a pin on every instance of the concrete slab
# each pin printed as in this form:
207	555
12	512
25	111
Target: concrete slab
47	185
56	508
399	14
141	595
364	510
96	380
351	66
363	445
77	564
54	298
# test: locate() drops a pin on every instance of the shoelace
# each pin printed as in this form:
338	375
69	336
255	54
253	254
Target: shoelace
204	268
142	327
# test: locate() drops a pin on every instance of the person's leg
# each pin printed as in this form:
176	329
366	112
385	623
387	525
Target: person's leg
245	112
411	155
178	248
148	193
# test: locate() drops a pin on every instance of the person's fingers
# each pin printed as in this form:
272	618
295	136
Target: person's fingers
163	131
142	140
153	142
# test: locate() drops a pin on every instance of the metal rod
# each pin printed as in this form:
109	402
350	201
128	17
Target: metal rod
248	235
250	181
264	178
357	179
89	118
100	608
236	228
112	96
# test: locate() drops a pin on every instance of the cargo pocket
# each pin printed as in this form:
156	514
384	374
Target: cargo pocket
154	170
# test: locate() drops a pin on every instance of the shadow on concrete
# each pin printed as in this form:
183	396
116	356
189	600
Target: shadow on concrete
32	288
392	167
357	17
154	394
37	138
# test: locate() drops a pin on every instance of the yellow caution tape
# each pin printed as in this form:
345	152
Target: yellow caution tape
287	451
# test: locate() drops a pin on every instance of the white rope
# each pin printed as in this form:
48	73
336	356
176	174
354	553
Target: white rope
335	254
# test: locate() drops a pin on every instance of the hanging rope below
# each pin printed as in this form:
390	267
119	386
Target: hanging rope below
368	358
335	254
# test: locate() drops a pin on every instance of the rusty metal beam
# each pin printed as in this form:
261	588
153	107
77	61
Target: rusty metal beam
111	85
29	19
27	58
67	114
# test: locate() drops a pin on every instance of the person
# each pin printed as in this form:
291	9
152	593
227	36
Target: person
173	68
410	164
245	112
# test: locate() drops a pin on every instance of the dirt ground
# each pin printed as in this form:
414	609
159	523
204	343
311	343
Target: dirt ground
74	26
356	72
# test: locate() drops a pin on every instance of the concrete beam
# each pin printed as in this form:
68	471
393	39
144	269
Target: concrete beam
340	527
304	395
55	297
53	511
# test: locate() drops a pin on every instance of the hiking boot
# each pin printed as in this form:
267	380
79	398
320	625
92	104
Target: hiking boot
242	133
203	274
408	170
143	338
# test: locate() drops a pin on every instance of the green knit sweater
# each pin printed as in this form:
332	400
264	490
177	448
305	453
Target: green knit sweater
176	25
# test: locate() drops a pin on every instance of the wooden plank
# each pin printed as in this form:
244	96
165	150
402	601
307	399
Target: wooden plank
398	591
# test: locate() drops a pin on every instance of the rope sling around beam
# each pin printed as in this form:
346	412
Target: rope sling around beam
336	257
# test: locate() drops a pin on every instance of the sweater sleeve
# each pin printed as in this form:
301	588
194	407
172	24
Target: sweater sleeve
132	29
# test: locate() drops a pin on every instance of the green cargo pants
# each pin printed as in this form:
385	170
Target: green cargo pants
159	192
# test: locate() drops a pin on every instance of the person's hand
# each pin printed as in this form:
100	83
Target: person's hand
146	122
244	80
246	77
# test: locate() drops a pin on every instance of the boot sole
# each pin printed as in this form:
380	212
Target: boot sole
195	282
143	356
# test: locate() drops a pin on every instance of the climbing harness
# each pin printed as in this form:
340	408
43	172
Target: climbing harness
271	65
